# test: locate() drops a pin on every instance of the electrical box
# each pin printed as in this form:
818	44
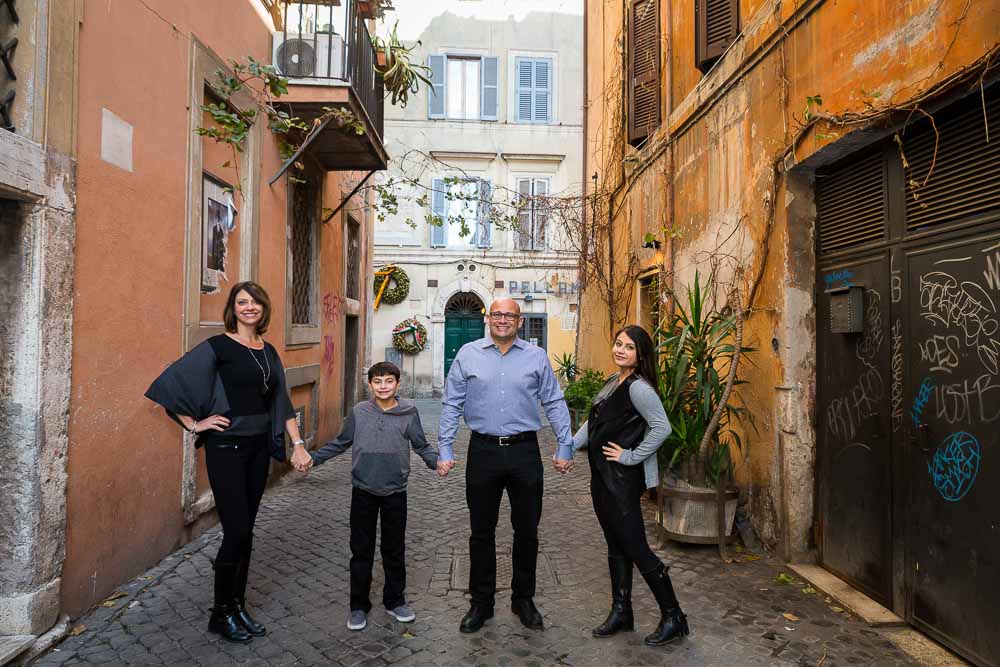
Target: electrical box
847	309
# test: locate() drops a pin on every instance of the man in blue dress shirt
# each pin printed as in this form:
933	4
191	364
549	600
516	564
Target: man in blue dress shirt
496	384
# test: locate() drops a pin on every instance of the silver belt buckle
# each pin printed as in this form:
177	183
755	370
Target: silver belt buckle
502	440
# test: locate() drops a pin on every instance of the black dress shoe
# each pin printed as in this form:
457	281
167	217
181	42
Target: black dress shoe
475	618
530	617
248	622
223	622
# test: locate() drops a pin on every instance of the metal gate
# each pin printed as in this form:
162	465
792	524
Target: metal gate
908	363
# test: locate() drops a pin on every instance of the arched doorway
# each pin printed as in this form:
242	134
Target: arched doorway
463	323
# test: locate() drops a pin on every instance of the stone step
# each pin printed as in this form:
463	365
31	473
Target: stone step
12	646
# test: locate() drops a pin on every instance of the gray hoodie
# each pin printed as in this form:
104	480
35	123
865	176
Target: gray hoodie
380	460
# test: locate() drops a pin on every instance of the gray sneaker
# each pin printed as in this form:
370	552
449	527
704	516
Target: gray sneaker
402	613
358	620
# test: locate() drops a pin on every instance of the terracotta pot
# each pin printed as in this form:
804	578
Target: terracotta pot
368	9
380	57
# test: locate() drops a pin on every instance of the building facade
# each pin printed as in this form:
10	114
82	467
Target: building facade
122	231
501	125
835	162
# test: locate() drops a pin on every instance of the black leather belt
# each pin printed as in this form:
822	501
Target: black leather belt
504	440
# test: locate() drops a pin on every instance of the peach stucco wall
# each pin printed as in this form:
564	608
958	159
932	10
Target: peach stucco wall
124	507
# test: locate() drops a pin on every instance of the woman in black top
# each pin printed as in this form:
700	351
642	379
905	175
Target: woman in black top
230	393
625	428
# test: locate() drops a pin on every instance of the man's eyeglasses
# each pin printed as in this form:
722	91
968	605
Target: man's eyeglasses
499	317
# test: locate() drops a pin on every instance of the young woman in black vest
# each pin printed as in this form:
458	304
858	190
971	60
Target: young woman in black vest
229	392
625	428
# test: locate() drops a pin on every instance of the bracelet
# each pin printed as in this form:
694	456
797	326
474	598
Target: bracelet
192	430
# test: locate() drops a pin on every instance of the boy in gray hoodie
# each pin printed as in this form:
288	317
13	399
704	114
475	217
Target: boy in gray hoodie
381	431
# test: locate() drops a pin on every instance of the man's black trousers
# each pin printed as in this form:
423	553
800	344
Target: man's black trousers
492	468
365	510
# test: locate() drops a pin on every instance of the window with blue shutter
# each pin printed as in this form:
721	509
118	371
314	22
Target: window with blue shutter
484	228
534	90
439	207
437	93
490	79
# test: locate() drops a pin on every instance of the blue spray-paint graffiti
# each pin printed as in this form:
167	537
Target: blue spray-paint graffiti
844	275
955	465
923	395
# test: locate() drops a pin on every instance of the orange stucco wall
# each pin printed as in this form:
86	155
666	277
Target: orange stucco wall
125	456
702	181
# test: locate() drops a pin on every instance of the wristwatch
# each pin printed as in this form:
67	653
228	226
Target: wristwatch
299	442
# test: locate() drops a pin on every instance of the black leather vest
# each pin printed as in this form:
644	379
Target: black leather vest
615	419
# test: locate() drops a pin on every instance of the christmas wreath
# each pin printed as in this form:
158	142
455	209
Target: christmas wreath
401	340
385	293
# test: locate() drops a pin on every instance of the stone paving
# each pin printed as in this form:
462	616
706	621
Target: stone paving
752	612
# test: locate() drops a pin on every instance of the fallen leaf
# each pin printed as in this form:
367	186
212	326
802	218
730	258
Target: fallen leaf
108	603
77	630
783	578
808	590
115	596
837	609
791	617
407	635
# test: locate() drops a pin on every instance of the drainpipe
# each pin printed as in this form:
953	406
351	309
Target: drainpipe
583	178
669	209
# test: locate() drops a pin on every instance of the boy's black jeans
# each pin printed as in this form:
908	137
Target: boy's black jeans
365	510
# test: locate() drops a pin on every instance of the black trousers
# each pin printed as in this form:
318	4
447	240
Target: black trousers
491	469
624	533
237	473
365	510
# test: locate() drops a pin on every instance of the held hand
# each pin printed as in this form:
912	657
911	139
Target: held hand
301	459
562	465
613	452
213	423
443	467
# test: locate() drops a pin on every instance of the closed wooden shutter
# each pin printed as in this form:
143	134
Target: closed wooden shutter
541	213
439	207
524	214
534	90
484	227
717	24
490	88
955	174
643	69
436	94
851	203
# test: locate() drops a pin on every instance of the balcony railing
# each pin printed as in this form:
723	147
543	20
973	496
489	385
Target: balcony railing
326	43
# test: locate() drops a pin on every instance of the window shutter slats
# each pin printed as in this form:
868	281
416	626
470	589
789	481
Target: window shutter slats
851	204
491	86
439	207
524	214
717	24
541	213
525	89
436	96
543	91
484	229
644	69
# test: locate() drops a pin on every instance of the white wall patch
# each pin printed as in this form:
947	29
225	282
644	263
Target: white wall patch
116	140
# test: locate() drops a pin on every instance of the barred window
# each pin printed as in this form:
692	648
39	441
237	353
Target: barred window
353	259
305	203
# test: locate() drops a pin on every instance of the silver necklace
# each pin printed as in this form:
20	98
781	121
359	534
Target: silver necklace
267	375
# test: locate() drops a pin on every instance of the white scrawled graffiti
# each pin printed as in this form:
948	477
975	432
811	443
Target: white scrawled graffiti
941	352
897	375
845	413
966	306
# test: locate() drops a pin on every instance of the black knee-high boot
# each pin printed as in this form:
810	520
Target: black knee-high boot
240	600
621	618
673	622
223	620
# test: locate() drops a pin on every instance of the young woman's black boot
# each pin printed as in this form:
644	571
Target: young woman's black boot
223	620
620	619
673	623
240	601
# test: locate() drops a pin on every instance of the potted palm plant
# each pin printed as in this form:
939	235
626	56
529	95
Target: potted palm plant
700	352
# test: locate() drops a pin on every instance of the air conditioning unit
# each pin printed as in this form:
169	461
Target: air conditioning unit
308	58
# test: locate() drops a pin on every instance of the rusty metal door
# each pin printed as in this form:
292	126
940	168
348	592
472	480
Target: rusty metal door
953	448
855	455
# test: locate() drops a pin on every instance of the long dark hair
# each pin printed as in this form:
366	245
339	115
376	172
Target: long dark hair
259	295
645	354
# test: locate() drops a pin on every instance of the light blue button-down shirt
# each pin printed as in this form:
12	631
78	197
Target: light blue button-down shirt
498	394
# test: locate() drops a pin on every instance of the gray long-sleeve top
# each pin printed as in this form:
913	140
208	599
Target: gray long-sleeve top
648	404
380	442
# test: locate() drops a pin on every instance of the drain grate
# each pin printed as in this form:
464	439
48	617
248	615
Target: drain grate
545	572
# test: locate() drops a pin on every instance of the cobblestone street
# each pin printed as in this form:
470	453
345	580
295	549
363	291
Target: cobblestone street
753	612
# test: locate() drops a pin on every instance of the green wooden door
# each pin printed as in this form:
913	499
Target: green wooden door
459	330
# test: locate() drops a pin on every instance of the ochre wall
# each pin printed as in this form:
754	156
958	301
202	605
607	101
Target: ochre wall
125	455
713	156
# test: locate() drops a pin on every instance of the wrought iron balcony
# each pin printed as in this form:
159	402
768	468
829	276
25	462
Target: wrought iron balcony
326	51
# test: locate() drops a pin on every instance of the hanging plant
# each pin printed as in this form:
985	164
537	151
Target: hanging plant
400	74
402	341
395	294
